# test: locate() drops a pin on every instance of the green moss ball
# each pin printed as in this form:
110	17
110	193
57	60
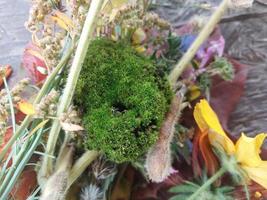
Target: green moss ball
123	98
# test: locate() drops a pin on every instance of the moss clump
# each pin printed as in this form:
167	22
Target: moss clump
123	99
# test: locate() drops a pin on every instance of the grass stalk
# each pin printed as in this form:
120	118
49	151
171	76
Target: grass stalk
86	36
7	186
10	104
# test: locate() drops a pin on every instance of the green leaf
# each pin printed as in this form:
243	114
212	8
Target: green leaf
183	189
226	189
179	197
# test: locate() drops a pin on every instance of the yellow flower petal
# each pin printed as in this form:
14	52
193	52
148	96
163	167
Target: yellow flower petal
248	150
206	118
258	174
222	141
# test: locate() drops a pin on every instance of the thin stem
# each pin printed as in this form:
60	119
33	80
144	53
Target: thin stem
13	119
203	35
73	76
40	95
10	104
13	168
211	180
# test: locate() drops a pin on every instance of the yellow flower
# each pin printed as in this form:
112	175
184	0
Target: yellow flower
246	150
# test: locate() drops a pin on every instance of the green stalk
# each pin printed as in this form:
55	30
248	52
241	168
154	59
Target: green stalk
246	190
13	119
211	180
80	165
202	36
68	92
40	95
10	105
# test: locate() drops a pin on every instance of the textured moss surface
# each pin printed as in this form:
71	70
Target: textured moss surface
123	99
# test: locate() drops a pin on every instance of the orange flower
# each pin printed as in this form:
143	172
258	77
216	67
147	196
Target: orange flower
246	150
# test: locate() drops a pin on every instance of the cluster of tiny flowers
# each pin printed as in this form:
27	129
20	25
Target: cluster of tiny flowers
78	10
48	105
38	11
49	40
4	101
71	116
51	45
133	16
15	93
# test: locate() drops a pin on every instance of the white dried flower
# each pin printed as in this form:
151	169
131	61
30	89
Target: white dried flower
91	192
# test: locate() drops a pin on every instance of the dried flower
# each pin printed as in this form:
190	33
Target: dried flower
91	192
15	93
51	45
47	106
102	168
56	186
78	10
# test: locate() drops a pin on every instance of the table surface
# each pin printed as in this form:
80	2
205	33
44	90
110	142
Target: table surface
246	40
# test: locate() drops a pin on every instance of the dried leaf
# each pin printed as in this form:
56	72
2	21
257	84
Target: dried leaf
35	53
25	184
62	20
65	19
31	61
224	102
26	108
109	5
71	127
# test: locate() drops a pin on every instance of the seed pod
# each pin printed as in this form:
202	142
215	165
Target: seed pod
158	161
56	186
